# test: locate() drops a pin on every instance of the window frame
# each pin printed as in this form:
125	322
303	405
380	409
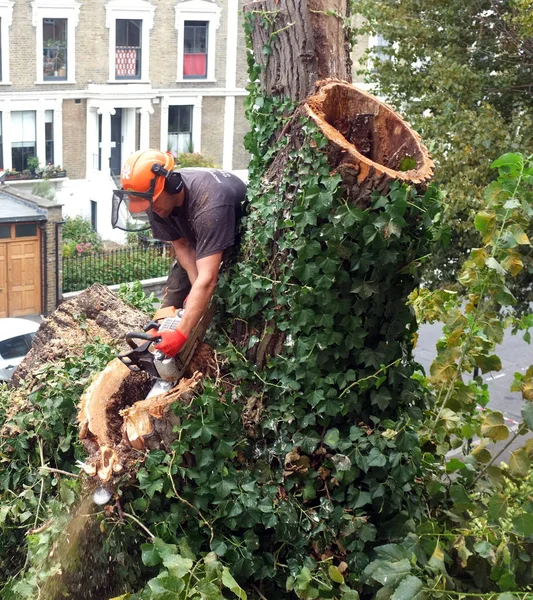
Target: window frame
54	78
186	100
52	9
8	106
135	10
191	129
197	10
6	20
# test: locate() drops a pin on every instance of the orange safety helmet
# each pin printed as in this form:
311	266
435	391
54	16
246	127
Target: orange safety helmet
137	176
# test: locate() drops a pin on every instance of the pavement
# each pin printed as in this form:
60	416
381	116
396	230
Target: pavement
516	356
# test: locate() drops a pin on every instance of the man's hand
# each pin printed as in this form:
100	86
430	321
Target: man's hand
171	341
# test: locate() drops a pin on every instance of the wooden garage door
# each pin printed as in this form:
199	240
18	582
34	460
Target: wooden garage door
20	271
3	280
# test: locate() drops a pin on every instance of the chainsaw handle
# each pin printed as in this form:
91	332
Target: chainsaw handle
138	335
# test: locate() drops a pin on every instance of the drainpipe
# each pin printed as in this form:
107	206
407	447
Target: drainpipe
44	241
57	260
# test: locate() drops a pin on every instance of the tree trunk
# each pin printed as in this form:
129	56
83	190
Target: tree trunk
303	41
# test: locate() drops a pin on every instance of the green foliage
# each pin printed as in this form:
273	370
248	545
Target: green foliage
39	437
457	71
77	233
44	189
32	163
322	470
133	294
192	159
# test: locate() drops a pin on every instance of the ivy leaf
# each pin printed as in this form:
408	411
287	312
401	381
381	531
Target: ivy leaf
488	363
492	263
519	463
523	524
177	565
306	440
230	583
485	223
527	414
376	459
335	575
410	588
332	437
437	559
497	507
509	159
494	427
149	554
484	549
390	574
519	234
165	586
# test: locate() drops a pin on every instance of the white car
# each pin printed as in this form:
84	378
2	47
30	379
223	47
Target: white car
16	336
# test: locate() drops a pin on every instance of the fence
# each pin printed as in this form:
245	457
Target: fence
114	267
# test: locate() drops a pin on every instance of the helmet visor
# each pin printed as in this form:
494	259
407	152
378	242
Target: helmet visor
124	209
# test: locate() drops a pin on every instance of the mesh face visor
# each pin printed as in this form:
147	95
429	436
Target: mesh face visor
140	203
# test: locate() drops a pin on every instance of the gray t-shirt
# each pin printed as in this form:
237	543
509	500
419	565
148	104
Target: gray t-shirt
210	213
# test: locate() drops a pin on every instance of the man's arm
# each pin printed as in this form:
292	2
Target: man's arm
201	291
186	256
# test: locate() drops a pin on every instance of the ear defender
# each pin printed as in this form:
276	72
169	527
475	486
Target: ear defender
173	183
173	180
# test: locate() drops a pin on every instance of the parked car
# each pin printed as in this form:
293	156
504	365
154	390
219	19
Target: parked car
16	336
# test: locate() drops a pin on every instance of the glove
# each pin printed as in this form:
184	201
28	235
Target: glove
171	341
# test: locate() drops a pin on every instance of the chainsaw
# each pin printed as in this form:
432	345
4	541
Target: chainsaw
164	374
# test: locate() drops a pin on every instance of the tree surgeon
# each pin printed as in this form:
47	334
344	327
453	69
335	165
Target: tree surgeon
198	210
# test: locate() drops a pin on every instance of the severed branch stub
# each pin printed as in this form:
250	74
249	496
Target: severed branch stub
115	418
370	145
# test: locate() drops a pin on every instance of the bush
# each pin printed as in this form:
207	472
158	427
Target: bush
193	159
44	189
79	237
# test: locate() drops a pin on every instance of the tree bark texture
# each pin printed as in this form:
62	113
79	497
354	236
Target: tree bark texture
297	42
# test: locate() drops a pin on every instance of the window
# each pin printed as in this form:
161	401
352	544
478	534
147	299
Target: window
23	138
129	23
128	49
195	49
26	230
6	20
196	22
5	232
16	347
54	49
180	129
94	215
55	25
49	136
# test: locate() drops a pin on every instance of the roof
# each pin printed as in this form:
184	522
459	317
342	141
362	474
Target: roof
17	210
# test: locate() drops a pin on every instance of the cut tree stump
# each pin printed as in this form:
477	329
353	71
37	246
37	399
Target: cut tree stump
115	419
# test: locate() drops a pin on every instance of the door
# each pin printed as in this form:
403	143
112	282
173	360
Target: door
20	271
116	142
24	278
3	280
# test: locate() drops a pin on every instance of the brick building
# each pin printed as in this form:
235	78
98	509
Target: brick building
83	83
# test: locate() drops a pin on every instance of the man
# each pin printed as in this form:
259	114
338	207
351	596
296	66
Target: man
198	210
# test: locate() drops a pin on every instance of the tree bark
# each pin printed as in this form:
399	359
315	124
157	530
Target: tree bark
297	42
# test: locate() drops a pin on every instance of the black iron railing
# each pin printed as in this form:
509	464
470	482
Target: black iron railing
116	266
